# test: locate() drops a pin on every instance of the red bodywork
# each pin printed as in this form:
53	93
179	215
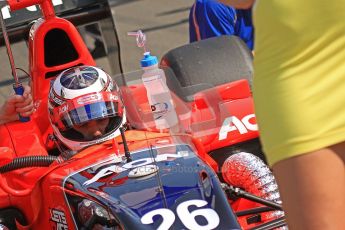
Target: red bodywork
20	188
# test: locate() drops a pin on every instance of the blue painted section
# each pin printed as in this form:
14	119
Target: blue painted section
131	198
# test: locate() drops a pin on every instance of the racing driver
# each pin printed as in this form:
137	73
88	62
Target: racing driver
85	108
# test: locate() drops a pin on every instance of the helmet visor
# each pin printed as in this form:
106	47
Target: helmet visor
87	108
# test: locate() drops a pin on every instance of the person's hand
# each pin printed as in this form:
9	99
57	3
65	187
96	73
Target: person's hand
17	104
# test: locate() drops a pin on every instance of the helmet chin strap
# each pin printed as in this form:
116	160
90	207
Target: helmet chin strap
65	152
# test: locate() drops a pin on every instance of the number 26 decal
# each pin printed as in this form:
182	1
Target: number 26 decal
187	218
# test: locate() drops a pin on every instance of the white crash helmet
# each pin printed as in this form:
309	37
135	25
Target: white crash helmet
79	95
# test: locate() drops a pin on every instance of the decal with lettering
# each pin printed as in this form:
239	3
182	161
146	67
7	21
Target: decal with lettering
233	123
134	164
59	218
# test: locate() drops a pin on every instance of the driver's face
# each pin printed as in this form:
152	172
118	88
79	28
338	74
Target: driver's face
93	129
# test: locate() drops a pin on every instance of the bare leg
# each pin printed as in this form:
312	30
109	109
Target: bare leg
312	188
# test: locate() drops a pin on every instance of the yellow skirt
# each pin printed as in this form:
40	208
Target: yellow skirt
299	78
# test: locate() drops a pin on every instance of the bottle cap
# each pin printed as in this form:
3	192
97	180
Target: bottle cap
148	60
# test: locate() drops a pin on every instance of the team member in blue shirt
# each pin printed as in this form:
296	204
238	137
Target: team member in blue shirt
209	18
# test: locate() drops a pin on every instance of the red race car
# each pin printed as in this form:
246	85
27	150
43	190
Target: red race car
206	171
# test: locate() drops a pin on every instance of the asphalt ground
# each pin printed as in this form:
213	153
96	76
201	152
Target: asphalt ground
164	22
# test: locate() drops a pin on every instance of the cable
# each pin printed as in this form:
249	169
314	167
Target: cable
29	161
